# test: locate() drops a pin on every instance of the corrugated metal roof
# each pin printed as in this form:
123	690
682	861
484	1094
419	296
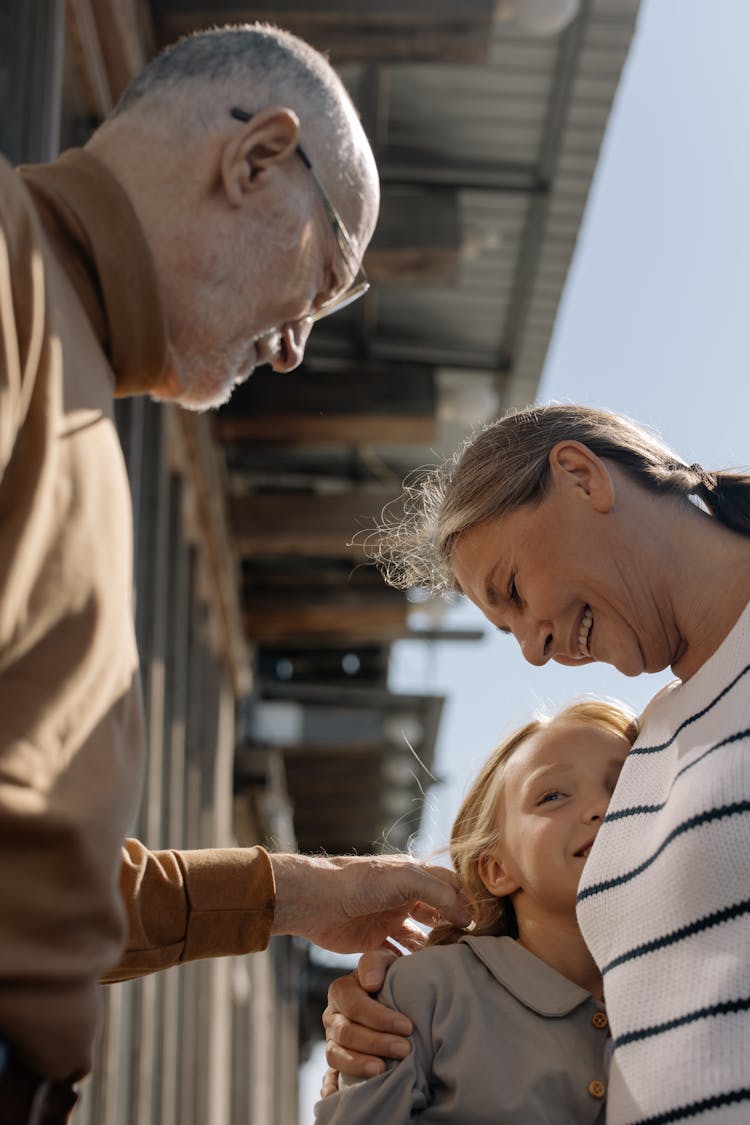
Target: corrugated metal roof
519	137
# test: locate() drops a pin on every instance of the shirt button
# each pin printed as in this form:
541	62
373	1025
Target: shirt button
597	1089
599	1019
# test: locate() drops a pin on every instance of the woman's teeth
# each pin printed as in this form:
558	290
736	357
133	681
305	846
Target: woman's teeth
583	632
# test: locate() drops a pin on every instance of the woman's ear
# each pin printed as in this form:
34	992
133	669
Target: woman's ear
575	468
270	137
495	876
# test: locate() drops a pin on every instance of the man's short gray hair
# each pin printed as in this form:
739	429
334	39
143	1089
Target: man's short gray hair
252	65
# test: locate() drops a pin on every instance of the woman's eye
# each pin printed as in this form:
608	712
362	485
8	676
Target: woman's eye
513	594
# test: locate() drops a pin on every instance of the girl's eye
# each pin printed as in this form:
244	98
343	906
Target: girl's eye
553	795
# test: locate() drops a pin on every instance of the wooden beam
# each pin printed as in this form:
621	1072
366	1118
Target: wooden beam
418	238
331	623
391	30
89	58
195	455
343	617
32	48
305	429
306	523
397	403
126	39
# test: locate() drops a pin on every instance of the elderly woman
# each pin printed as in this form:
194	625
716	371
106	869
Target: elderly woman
587	539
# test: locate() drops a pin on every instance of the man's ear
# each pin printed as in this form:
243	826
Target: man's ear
495	876
269	137
573	466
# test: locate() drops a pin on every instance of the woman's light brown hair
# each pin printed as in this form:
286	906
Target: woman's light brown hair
506	465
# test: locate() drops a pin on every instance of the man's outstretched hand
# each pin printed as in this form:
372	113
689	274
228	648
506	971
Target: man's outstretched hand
350	904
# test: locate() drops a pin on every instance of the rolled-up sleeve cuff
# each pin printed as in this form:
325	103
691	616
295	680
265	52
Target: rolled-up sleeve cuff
231	894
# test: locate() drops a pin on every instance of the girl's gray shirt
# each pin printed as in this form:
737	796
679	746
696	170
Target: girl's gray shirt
499	1038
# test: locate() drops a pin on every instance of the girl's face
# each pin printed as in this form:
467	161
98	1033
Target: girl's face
569	577
556	789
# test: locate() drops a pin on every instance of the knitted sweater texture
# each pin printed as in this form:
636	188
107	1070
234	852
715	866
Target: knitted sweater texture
664	903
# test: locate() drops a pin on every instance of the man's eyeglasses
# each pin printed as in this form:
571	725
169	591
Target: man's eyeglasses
360	284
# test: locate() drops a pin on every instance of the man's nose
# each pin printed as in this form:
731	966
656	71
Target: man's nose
291	346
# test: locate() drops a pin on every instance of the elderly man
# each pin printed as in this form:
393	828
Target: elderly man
222	208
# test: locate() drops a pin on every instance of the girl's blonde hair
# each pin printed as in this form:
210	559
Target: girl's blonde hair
506	465
475	829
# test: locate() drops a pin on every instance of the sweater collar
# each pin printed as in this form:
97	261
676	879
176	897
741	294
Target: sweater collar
91	223
534	983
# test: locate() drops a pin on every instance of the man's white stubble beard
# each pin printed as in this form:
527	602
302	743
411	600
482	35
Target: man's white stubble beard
205	383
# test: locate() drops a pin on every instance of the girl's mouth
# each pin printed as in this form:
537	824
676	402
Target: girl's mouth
584	630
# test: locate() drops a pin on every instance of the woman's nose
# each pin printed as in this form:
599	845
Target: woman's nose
291	346
535	641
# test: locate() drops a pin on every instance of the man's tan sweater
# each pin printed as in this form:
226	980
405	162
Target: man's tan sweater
81	321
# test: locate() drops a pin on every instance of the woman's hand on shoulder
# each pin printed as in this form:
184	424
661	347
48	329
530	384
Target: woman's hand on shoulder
361	1033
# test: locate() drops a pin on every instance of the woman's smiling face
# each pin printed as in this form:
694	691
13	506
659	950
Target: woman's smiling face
565	577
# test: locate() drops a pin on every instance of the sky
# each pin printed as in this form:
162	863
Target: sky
654	323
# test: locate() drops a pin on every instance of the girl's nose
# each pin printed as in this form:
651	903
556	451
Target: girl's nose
595	808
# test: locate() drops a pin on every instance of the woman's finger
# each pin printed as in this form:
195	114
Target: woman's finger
330	1083
367	1063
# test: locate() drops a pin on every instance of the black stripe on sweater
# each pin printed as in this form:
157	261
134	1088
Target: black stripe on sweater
725	1008
637	810
657	748
707	922
720	813
694	1109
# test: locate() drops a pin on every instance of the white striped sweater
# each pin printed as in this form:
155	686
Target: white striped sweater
664	903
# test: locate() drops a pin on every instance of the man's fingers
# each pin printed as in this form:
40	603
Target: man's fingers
425	914
442	891
409	935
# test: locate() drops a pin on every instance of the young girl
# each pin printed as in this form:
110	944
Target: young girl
509	1024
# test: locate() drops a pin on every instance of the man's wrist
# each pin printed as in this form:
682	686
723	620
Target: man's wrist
297	888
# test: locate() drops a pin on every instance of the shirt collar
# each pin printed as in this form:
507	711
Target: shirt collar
534	983
91	223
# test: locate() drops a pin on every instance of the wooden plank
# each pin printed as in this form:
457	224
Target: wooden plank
285	576
125	37
399	389
396	403
355	624
306	429
196	456
391	30
305	523
89	58
339	600
32	45
418	238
